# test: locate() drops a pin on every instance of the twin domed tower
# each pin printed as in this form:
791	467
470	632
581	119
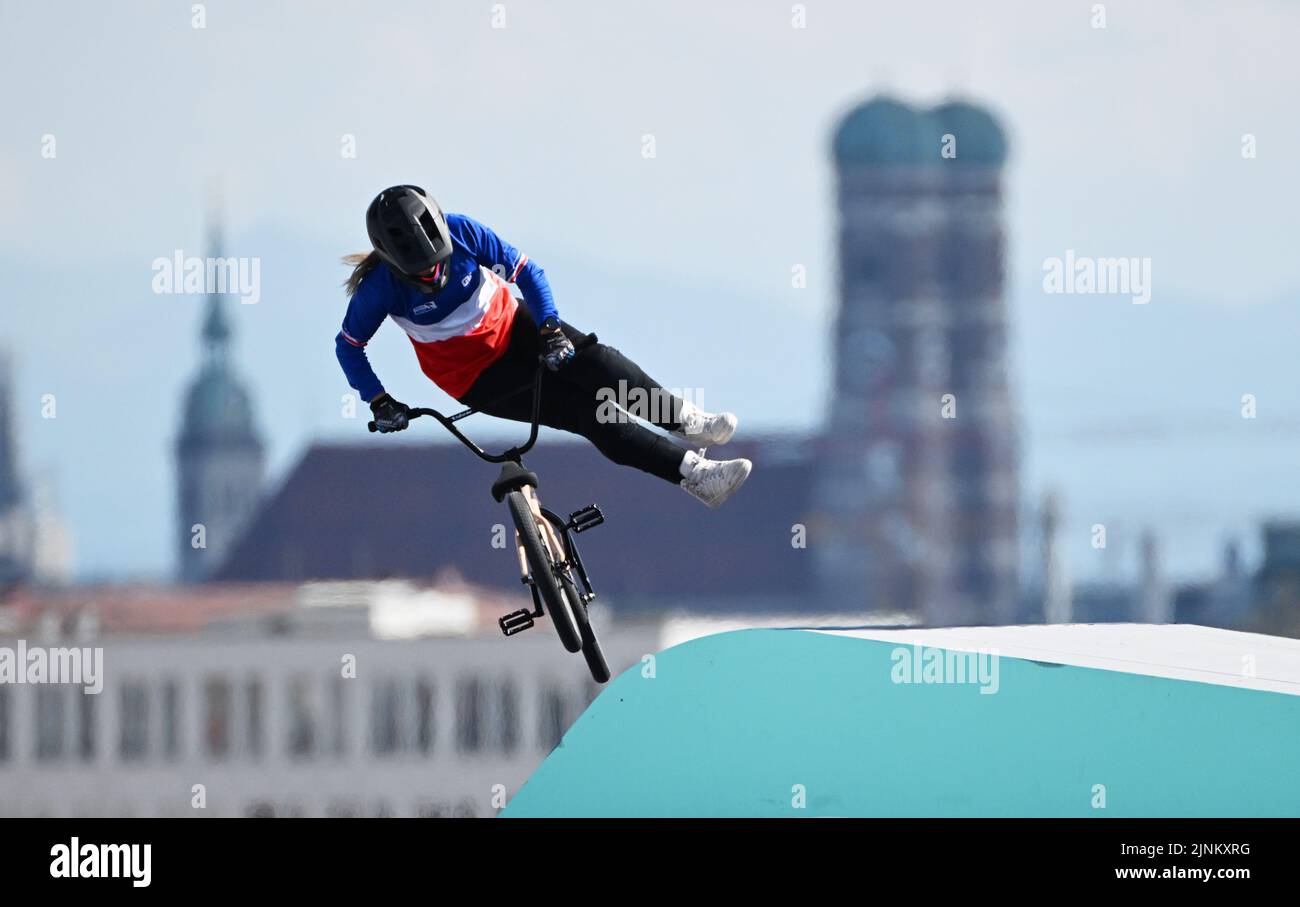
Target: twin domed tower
916	499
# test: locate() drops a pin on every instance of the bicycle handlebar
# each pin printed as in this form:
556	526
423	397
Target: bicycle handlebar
512	453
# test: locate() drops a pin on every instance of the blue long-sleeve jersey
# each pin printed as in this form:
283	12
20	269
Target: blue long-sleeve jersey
458	330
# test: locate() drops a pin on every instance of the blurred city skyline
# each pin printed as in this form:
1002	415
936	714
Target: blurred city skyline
1125	141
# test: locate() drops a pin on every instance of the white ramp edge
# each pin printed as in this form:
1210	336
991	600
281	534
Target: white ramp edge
1178	651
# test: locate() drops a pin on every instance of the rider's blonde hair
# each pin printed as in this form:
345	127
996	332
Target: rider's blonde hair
362	263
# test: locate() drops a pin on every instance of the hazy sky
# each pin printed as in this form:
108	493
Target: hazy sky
1126	141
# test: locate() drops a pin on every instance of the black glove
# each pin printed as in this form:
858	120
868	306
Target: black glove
557	348
390	415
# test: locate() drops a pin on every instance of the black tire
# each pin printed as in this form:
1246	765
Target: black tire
590	645
539	564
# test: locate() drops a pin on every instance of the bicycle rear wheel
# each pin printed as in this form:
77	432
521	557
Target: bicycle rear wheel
591	650
542	568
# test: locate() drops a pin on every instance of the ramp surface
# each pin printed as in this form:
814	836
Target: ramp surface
789	723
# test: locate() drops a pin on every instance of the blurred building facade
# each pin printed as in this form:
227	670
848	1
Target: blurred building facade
219	453
915	501
352	699
35	545
1275	588
658	548
16	537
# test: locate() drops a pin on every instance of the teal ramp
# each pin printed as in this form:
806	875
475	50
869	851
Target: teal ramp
791	723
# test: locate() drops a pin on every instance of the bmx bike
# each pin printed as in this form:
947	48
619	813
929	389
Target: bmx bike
549	562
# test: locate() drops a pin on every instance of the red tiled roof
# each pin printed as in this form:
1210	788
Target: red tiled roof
145	608
131	608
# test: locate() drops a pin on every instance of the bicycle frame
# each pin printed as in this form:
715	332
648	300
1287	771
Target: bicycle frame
557	546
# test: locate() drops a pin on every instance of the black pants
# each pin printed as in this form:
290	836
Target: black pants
576	398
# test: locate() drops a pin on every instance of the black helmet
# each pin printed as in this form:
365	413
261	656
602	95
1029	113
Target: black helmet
409	231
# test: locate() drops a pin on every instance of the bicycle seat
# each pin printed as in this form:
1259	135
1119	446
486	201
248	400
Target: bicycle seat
513	477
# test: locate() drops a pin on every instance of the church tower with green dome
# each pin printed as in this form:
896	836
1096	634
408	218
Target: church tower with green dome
219	454
916	497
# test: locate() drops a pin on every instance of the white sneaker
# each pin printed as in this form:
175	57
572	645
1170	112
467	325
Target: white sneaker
702	429
713	481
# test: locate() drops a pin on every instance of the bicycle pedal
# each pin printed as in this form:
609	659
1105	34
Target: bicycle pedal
515	622
588	517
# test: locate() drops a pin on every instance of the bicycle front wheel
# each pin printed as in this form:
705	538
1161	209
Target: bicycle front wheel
542	567
591	650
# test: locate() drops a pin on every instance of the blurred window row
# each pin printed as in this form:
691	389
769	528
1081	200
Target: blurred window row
235	720
464	808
